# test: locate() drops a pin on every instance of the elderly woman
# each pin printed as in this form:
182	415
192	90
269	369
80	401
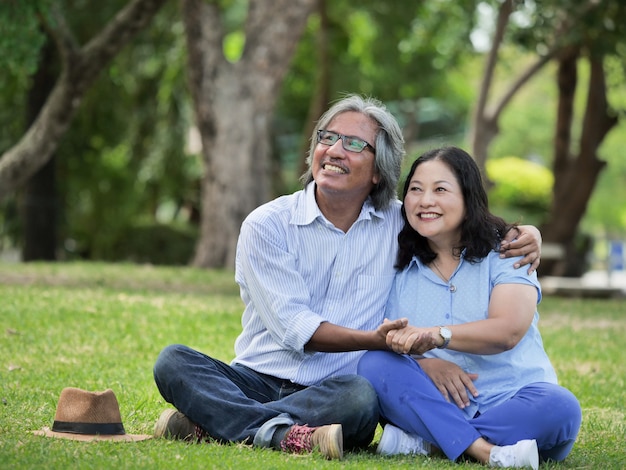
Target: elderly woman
499	402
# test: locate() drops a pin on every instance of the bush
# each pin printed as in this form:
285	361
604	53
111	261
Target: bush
520	184
160	244
152	243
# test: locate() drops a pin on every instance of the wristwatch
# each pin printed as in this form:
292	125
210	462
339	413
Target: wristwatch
446	334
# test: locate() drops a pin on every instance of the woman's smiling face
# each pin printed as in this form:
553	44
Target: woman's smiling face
434	202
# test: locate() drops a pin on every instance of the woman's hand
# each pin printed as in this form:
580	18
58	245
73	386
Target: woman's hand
452	381
410	340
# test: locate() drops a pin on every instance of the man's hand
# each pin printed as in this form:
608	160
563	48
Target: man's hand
524	240
390	325
452	381
410	340
334	338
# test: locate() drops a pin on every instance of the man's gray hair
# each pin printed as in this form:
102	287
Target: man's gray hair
389	144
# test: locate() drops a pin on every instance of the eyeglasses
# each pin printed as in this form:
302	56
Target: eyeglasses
350	143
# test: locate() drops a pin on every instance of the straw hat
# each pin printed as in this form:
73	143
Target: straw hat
89	416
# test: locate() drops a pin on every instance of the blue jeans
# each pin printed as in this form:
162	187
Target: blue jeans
236	404
408	398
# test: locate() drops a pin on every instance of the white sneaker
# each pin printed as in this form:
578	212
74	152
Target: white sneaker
395	441
524	454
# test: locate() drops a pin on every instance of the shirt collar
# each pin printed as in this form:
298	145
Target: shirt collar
416	261
307	210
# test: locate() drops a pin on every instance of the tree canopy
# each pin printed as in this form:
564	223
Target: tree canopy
126	106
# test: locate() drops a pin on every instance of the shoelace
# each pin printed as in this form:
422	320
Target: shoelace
199	433
298	439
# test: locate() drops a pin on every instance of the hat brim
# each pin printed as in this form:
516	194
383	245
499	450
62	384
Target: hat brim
47	432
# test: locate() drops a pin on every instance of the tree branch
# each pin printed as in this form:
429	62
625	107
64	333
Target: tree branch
204	34
80	69
503	19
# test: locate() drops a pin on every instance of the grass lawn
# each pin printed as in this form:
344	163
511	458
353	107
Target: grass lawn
99	326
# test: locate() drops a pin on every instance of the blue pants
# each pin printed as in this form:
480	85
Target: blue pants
237	404
408	398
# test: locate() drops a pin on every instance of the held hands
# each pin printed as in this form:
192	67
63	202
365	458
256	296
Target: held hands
408	339
390	325
452	381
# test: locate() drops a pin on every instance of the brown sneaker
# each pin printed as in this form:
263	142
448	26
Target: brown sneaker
173	424
327	439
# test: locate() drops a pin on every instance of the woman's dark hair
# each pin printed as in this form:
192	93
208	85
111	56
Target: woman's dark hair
481	231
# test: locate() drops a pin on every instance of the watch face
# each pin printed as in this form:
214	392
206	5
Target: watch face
446	334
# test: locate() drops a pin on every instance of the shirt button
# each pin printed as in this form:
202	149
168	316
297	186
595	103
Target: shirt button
452	288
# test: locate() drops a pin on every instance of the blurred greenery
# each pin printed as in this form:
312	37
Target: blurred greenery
21	35
126	167
519	185
154	243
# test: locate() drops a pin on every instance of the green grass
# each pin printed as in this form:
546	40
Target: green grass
98	326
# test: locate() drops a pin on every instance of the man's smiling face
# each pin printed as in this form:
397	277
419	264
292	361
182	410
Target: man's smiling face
339	172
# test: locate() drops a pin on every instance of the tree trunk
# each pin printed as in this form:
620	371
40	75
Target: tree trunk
38	201
39	207
321	96
234	105
485	124
80	67
575	176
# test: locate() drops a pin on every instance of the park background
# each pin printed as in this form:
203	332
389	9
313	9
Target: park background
145	131
136	135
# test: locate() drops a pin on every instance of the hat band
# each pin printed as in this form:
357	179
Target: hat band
88	428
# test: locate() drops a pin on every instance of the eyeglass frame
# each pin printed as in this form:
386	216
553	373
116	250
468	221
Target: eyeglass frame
343	142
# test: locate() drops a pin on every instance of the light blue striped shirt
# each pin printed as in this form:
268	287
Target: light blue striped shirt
296	270
426	300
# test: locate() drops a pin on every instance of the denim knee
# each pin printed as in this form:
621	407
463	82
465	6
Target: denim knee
357	409
360	394
167	362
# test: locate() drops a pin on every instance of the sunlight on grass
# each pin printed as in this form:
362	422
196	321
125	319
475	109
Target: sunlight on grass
97	326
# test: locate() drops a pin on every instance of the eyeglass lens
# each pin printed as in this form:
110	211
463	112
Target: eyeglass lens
350	143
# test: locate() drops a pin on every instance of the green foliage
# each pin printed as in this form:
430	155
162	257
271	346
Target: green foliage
97	326
527	129
123	160
383	48
21	36
233	15
124	156
520	184
21	40
155	243
233	45
527	124
387	49
600	26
